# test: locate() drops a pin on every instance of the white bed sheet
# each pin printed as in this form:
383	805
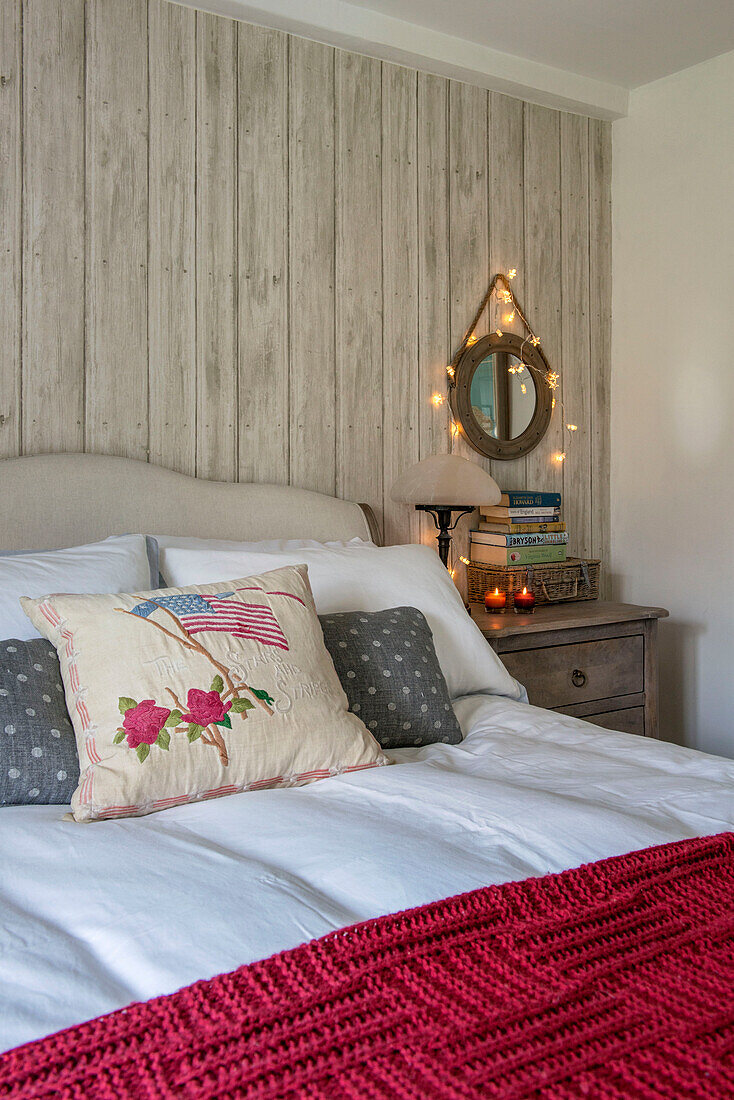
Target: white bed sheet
95	916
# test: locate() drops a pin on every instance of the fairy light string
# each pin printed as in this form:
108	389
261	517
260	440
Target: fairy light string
501	287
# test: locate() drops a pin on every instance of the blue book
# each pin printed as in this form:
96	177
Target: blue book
521	498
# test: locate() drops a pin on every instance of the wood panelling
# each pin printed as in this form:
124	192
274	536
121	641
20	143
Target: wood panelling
359	264
575	331
53	308
507	239
433	272
118	230
311	265
11	208
171	237
542	196
399	293
216	248
600	353
248	255
468	240
262	248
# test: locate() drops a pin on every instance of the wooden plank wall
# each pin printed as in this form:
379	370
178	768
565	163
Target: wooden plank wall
246	255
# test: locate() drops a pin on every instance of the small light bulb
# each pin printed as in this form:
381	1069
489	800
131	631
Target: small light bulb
450	371
465	561
523	388
472	339
512	273
498	332
559	457
509	318
535	340
552	379
437	399
572	427
452	573
553	404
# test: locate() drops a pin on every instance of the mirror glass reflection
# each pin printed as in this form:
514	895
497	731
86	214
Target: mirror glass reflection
503	395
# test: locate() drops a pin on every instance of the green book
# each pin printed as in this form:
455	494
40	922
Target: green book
516	555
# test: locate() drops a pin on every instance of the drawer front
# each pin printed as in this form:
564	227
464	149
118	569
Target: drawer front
562	675
629	720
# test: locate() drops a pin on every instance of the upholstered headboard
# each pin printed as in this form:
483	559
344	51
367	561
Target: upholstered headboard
49	501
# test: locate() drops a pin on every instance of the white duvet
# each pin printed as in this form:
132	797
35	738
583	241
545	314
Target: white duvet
95	916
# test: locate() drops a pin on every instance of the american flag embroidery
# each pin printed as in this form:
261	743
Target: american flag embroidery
219	613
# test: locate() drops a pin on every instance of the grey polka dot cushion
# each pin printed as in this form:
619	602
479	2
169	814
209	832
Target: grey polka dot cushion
388	667
38	758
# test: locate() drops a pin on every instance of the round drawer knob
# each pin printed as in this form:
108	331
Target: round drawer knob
578	678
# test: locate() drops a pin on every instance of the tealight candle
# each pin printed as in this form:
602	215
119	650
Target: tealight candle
524	602
495	601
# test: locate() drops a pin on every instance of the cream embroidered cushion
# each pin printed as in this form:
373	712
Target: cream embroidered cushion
188	693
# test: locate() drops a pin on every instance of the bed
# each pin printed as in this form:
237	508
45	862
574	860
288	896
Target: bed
96	917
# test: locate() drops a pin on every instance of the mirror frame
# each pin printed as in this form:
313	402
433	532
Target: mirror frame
460	396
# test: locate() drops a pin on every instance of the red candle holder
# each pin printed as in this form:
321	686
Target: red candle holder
495	602
524	602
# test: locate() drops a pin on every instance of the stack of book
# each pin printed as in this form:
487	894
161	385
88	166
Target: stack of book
524	529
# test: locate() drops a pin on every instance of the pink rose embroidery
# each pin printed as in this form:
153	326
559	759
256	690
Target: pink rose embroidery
143	723
204	707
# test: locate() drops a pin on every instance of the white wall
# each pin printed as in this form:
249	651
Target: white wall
673	387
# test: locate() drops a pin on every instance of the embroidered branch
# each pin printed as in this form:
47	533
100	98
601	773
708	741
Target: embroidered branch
205	713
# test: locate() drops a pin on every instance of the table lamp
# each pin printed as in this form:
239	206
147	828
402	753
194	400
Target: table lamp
443	484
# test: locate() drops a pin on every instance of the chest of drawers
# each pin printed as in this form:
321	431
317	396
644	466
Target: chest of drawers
595	660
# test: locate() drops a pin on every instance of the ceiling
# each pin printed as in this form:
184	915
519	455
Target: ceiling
624	42
578	55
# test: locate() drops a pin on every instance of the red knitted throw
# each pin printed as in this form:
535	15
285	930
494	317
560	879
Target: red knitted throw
613	980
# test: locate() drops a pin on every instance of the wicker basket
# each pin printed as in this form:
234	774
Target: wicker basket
572	579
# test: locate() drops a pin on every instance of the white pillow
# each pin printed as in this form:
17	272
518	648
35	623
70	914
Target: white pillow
177	542
118	564
370	578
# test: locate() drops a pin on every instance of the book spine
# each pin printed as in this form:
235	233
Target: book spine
544	514
520	528
549	538
524	555
536	555
516	499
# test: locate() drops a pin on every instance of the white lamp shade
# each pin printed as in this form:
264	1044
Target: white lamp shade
447	481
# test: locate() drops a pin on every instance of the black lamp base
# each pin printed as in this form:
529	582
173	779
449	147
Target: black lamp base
441	514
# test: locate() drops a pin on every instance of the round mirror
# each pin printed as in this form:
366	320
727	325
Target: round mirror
500	399
502	395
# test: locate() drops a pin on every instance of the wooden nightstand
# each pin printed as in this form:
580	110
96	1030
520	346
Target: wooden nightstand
594	660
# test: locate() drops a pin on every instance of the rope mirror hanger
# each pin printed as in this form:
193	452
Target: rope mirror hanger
500	414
